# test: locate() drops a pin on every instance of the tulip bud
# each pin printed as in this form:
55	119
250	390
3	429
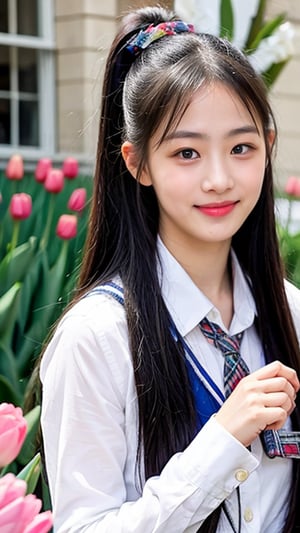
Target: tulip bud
13	427
15	168
77	200
70	167
20	206
67	226
297	189
54	181
42	168
291	185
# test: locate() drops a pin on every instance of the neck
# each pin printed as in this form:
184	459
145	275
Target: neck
209	268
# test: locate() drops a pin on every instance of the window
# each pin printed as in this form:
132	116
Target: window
26	75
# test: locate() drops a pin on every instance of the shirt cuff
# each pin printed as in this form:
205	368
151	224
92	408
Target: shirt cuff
217	460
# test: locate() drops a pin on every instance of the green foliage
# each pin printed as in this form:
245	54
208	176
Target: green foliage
290	252
266	30
257	23
37	277
289	233
226	20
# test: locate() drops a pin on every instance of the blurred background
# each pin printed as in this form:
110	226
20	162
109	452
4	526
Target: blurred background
52	54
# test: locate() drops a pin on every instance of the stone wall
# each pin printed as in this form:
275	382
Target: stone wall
285	97
84	29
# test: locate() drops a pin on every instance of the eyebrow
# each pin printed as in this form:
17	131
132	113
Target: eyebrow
183	134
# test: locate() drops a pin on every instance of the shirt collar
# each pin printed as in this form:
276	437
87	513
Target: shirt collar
187	305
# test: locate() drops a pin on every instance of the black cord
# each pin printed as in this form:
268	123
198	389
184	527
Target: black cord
229	517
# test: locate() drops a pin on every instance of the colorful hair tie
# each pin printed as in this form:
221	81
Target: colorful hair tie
145	37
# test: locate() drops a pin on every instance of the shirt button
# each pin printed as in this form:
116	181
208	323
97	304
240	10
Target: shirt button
248	514
241	475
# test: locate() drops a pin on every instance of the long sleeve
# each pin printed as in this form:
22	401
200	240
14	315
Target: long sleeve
89	422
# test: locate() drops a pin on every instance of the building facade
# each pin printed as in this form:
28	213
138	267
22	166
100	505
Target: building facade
52	55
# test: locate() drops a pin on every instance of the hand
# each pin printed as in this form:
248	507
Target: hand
262	400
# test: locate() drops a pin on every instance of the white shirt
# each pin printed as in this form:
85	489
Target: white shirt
89	422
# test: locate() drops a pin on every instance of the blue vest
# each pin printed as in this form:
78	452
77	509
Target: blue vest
207	396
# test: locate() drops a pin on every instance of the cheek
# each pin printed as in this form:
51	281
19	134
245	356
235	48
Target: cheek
175	182
255	183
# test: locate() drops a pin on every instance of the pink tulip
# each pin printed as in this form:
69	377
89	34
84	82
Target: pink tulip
15	168
11	488
297	189
42	523
67	226
20	206
70	167
291	185
77	200
13	427
54	181
18	512
42	168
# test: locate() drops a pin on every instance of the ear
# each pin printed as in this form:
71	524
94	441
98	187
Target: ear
271	138
131	161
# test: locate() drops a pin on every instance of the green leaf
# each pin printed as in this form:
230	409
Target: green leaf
30	287
16	264
29	446
9	305
267	30
45	309
271	75
46	495
31	473
257	23
8	393
8	367
226	19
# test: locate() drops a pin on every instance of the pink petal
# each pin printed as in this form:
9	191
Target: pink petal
42	523
11	488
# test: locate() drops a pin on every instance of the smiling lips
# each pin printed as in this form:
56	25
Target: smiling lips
217	209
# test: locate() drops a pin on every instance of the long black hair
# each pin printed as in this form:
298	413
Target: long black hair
137	94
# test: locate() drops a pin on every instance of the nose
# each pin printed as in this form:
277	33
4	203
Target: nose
217	176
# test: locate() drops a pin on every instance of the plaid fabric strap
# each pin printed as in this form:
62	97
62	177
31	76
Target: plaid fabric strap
276	443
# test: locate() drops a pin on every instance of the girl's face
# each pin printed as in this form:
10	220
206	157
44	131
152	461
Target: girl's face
208	172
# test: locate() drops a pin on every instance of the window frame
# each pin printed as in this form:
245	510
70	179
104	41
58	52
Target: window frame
45	46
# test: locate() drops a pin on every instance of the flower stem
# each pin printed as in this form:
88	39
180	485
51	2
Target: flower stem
289	216
45	237
15	235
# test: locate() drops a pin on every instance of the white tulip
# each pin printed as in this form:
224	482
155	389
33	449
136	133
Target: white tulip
206	16
274	49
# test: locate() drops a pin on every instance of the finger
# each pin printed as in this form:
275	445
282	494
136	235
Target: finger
278	369
274	418
277	384
279	399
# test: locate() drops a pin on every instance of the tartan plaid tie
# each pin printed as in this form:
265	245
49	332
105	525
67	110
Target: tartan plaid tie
235	367
276	443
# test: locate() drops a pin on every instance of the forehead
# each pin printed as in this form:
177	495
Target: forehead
211	109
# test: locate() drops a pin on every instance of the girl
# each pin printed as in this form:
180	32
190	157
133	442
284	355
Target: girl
142	431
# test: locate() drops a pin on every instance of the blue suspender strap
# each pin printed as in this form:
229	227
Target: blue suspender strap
110	288
207	395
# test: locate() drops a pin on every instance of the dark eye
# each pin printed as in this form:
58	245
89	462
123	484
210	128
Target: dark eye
188	153
240	149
